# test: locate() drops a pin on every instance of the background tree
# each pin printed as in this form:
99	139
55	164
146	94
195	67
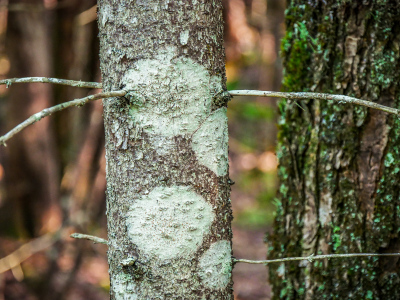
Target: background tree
32	202
339	164
54	165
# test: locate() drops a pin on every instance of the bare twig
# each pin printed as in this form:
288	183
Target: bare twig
290	95
82	84
14	259
48	111
92	238
311	258
317	96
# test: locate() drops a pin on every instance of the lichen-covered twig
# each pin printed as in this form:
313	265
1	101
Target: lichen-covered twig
317	96
76	83
79	102
48	111
288	95
27	250
92	238
311	258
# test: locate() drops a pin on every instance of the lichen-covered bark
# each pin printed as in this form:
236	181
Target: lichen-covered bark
339	164
168	203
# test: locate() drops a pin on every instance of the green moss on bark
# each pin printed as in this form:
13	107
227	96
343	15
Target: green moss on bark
339	164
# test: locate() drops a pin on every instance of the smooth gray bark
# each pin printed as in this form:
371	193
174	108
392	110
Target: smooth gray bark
168	189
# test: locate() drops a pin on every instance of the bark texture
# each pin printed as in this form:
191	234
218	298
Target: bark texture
168	189
339	164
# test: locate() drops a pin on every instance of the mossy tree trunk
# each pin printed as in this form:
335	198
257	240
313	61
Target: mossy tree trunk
166	148
339	163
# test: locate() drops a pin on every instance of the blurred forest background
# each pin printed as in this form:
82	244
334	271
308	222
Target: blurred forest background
52	175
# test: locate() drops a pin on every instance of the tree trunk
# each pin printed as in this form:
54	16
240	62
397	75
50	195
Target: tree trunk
339	163
166	149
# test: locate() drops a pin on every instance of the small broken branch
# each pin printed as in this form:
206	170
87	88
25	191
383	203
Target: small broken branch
92	238
311	258
48	111
317	96
76	83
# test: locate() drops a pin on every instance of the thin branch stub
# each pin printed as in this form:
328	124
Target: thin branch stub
75	83
48	111
317	96
311	258
92	238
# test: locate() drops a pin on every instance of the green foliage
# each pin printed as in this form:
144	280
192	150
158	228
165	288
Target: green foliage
336	239
253	118
262	214
256	112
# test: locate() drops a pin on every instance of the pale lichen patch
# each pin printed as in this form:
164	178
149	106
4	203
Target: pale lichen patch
163	145
170	95
169	222
104	14
210	142
325	209
184	37
215	265
123	287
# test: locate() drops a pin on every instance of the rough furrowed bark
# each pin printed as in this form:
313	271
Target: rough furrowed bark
339	164
168	204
